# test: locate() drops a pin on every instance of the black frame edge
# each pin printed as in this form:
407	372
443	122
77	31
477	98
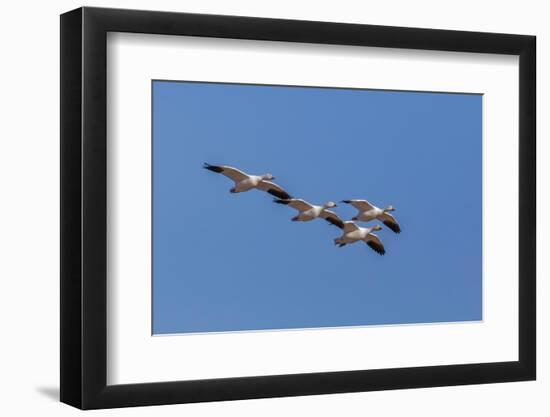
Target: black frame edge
528	207
83	208
94	209
70	233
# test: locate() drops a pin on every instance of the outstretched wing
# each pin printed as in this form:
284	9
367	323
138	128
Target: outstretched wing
350	226
332	218
295	203
361	205
390	221
375	244
230	172
274	189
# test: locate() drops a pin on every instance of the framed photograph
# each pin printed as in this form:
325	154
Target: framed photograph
261	208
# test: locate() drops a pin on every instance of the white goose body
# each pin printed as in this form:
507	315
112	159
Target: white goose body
246	182
353	233
367	216
367	212
310	214
307	211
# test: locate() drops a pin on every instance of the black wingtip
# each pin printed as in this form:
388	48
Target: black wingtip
345	201
393	227
335	222
280	194
377	248
212	168
280	201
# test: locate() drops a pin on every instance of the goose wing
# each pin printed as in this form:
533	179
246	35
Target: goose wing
230	172
350	226
332	218
375	243
296	203
361	205
390	221
274	189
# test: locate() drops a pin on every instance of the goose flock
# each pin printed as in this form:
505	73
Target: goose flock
351	232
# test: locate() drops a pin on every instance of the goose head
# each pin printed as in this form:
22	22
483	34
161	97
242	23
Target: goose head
377	227
268	177
330	204
389	208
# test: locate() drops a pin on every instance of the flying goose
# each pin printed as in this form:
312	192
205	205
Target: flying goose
309	211
353	233
245	182
368	212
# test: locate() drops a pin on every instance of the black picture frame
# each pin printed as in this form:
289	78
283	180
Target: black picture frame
84	197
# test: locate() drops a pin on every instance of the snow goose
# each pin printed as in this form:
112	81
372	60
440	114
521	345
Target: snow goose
368	212
309	211
353	233
245	182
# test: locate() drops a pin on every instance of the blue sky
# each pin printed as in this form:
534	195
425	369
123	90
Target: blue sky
228	262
